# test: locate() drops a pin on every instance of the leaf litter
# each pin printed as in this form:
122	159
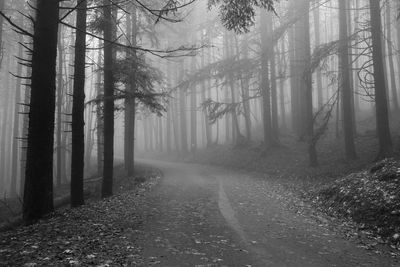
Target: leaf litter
100	233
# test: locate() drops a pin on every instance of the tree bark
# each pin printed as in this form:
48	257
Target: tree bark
382	118
108	164
182	111
265	82
16	132
38	192
393	87
99	118
130	107
318	89
245	91
78	109
60	85
2	4
193	112
274	97
348	127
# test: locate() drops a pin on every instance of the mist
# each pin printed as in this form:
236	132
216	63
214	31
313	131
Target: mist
229	109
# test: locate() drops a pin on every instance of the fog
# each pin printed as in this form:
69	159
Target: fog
276	77
224	133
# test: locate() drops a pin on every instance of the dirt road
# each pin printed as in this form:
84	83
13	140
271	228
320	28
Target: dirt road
207	216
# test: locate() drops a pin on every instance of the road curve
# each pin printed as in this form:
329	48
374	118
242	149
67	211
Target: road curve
208	216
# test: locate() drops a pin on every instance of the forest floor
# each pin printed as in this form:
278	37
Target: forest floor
359	199
11	207
63	237
195	215
256	209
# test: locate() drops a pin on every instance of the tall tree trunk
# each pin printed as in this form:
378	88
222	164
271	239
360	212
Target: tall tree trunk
393	89
203	99
2	4
348	127
303	56
356	66
274	97
193	112
182	111
282	74
230	54
130	108
16	132
293	82
99	118
245	91
108	164
382	119
150	132
160	135
265	82
169	112
4	122
60	83
24	142
38	192
175	123
146	133
318	90
78	109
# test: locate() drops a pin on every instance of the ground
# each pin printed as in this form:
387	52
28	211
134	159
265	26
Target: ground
196	215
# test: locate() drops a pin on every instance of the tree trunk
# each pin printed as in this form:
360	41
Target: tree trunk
2	4
245	92
282	74
60	84
382	119
130	107
108	164
348	127
182	111
265	82
393	89
160	135
38	192
303	56
16	133
78	109
4	122
318	89
99	118
169	111
193	112
274	97
175	123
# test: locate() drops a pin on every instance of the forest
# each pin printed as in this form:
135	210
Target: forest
303	92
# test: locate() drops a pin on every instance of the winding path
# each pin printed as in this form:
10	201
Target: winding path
208	216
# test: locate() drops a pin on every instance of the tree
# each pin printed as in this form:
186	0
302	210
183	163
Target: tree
265	81
304	77
238	15
182	112
2	4
108	113
130	107
15	150
382	118
78	108
60	147
38	192
348	123
395	102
